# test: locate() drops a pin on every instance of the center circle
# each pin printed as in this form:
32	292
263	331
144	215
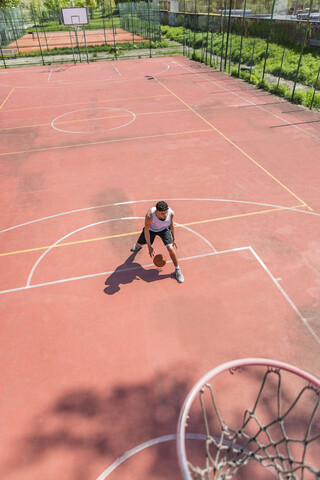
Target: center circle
93	120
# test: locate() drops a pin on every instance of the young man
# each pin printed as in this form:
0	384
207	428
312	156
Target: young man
159	221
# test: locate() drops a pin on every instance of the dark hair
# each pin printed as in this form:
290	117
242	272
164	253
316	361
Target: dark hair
162	206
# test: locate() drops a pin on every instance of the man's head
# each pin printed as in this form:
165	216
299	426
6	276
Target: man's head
162	209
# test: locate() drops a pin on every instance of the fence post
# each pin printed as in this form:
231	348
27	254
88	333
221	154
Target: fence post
14	31
194	26
104	26
242	33
207	40
85	42
301	52
2	56
113	32
268	41
184	27
132	23
284	51
36	27
228	33
149	27
315	89
222	28
252	59
230	54
44	33
211	46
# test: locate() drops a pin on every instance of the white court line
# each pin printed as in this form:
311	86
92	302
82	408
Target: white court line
162	71
286	296
50	75
249	248
133	117
116	69
92	275
52	70
222	200
39	39
143	446
93	225
214	252
198	234
63	83
47	40
249	101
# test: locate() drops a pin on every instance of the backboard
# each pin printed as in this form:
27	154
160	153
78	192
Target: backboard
75	16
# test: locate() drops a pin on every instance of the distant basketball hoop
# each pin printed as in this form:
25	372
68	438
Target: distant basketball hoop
75	16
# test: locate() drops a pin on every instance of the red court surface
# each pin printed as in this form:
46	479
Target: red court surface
48	41
98	347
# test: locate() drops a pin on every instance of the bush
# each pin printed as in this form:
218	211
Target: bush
254	80
309	65
281	90
264	85
299	97
307	73
316	102
196	56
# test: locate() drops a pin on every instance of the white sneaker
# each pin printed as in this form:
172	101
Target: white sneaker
179	276
134	248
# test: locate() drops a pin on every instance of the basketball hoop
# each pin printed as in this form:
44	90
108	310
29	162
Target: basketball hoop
74	15
75	26
260	422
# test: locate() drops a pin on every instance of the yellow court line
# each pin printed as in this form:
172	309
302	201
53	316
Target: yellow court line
94	119
69	243
2	104
240	215
84	103
235	145
77	242
101	142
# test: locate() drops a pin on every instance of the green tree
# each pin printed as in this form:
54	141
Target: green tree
85	3
56	4
9	3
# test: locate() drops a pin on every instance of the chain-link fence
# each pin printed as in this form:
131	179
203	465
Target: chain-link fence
11	25
273	44
40	36
141	18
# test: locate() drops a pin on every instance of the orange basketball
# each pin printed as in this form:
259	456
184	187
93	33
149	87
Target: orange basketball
159	260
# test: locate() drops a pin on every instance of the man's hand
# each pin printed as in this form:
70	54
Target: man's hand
151	251
175	245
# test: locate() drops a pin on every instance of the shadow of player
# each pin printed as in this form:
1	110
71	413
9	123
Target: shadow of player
130	271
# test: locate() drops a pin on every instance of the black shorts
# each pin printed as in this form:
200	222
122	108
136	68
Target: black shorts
165	235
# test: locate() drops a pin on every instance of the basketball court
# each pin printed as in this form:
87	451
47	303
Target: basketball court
36	41
99	348
76	19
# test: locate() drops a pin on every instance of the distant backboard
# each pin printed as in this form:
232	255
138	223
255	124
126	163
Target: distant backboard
74	16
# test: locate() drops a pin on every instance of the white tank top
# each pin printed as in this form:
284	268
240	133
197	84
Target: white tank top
156	224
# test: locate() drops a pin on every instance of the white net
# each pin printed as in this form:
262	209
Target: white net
278	430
